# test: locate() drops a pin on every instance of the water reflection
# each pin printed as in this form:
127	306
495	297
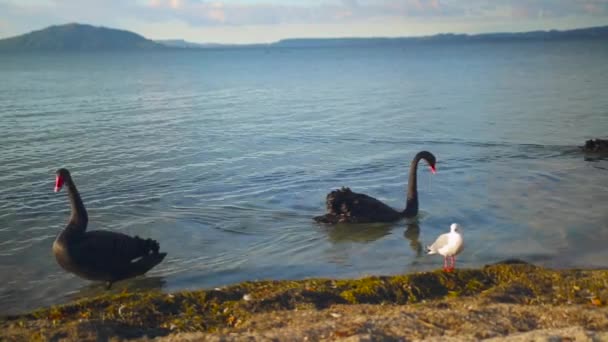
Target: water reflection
362	233
412	233
595	157
132	285
369	232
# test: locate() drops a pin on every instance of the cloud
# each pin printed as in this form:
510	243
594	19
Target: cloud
203	13
237	13
527	9
155	3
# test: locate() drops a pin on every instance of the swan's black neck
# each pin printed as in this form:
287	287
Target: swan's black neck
411	206
79	218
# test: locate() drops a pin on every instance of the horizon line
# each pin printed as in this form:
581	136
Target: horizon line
379	37
317	38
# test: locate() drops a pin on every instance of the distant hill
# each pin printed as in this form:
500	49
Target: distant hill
76	37
592	33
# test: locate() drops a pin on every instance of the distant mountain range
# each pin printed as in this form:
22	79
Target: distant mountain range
77	37
591	33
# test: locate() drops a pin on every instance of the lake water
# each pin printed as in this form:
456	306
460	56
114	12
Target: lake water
224	156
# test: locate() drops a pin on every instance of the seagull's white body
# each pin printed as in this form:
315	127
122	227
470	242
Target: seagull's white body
449	245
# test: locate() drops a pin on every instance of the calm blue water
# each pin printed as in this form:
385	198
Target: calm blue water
225	155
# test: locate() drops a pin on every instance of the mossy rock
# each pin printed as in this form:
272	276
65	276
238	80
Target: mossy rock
158	313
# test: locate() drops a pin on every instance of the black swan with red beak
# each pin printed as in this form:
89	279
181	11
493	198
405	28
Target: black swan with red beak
99	255
346	206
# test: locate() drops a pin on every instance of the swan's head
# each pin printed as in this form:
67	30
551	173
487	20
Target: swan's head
60	178
430	158
455	228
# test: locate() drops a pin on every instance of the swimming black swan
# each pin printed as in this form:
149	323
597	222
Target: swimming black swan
345	206
99	255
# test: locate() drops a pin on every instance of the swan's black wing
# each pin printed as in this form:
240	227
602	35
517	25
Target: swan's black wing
344	205
112	255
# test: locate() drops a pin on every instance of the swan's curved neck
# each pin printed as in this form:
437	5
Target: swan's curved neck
79	218
411	206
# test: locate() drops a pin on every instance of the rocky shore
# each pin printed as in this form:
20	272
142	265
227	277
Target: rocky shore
519	301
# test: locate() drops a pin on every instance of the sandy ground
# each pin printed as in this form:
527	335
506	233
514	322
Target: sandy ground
446	320
463	319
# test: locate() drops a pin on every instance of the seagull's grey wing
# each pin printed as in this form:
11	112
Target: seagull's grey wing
441	241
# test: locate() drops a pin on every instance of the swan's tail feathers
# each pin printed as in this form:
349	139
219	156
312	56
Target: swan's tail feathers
343	191
146	263
338	205
327	218
320	218
338	200
149	255
147	246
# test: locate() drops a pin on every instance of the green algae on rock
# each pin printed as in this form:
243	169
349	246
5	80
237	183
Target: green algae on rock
156	313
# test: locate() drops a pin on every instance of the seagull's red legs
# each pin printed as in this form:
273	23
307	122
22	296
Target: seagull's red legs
453	263
448	264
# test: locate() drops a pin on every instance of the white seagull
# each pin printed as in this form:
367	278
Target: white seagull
448	245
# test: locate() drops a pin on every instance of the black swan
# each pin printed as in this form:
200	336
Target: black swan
346	206
99	255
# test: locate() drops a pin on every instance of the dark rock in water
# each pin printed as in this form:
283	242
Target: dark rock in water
596	146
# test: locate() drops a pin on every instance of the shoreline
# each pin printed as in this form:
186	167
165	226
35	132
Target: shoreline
491	302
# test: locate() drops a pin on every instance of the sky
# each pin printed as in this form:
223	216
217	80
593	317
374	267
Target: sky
263	21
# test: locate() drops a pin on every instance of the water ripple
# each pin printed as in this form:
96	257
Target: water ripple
224	157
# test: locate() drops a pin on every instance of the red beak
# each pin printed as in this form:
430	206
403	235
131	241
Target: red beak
58	183
433	169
